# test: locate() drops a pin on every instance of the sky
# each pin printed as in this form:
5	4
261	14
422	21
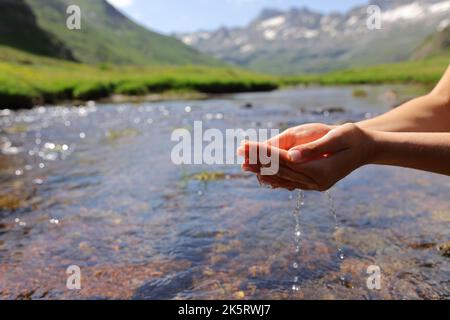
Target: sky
168	16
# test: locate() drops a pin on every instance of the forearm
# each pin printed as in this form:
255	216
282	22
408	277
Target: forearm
422	151
430	113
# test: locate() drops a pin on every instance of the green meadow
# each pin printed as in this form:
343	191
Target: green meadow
427	72
27	80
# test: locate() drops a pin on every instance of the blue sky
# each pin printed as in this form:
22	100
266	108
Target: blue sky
190	15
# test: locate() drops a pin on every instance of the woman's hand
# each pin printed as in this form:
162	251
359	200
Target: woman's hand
320	164
290	138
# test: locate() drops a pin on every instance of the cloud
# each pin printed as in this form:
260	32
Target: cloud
121	3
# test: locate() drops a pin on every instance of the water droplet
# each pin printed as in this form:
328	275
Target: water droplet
41	165
54	221
298	233
82	135
49	145
295	288
38	181
295	265
188	109
19	172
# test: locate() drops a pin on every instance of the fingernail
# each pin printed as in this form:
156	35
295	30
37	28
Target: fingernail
295	156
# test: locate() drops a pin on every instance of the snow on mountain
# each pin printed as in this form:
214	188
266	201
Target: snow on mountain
300	39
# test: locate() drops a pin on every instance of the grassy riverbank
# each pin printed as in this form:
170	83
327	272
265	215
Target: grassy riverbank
27	80
426	72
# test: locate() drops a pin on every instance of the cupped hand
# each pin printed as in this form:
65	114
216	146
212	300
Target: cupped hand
321	163
290	138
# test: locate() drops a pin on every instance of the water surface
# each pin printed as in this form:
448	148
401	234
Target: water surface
95	187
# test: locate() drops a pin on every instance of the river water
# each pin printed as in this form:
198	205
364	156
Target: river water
95	187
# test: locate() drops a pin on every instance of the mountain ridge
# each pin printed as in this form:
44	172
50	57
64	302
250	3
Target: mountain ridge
107	36
19	29
302	40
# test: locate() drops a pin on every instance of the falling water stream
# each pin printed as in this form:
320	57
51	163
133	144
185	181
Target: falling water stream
332	210
300	203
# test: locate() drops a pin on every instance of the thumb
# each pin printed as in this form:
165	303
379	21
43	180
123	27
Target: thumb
323	147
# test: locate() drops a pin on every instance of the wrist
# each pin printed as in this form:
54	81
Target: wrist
370	146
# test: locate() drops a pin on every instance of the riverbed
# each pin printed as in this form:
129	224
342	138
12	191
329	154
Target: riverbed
94	186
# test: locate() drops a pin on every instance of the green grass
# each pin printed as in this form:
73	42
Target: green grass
27	79
427	72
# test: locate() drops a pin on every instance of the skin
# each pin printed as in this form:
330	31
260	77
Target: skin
316	156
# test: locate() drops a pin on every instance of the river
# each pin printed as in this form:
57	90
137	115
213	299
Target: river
95	187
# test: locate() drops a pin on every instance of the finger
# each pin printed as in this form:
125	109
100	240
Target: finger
324	147
288	174
256	153
251	168
285	140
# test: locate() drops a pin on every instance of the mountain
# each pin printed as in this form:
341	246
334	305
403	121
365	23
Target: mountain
106	35
301	40
19	29
434	45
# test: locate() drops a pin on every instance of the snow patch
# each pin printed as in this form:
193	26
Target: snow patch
410	11
246	48
270	34
440	7
273	22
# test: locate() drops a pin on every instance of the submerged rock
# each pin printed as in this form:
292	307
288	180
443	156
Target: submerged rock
165	288
444	249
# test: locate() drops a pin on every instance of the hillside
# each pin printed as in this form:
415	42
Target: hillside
301	40
436	44
19	29
107	36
